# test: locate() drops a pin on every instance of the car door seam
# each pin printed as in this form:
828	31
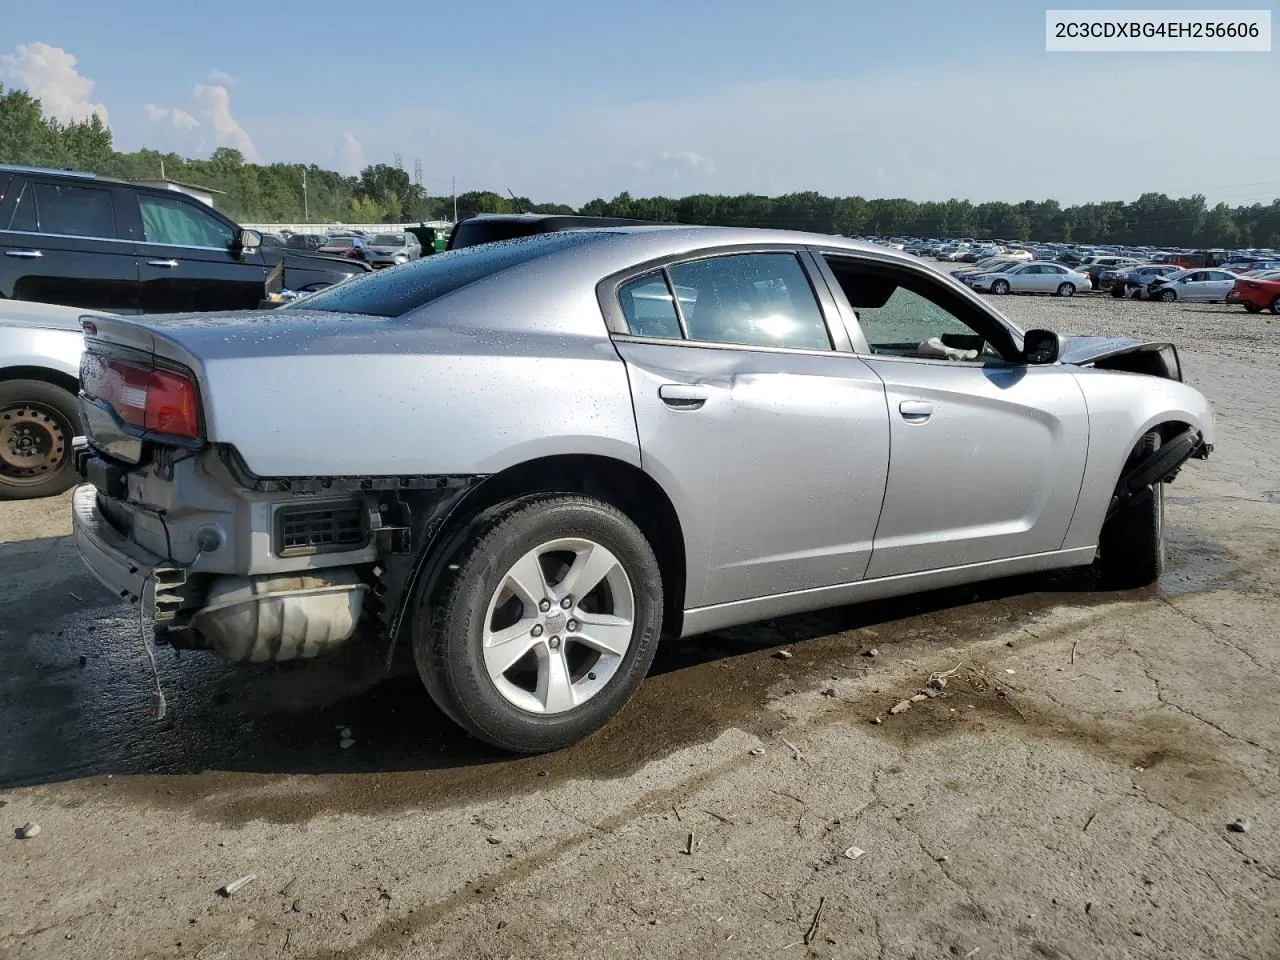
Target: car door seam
1088	449
888	464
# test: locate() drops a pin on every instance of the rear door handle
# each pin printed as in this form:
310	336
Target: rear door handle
162	263
29	254
915	411
682	396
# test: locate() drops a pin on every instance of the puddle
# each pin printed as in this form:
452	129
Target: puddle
243	743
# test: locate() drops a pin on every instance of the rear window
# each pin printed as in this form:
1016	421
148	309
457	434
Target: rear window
393	293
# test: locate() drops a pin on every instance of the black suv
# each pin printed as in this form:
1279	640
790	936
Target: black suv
491	227
87	241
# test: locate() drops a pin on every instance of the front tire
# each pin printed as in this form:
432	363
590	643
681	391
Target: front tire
1167	296
1066	289
1275	306
1131	545
1117	291
1000	287
545	624
1250	308
37	423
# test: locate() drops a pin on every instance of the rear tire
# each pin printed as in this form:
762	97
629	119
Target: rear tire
1131	545
1066	289
1275	306
1117	291
37	423
562	688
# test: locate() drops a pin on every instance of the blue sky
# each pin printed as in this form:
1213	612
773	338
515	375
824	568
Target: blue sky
567	100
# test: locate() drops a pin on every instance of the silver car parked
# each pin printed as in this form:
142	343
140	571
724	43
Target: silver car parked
40	347
527	459
392	249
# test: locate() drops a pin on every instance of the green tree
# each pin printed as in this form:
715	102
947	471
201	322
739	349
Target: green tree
362	209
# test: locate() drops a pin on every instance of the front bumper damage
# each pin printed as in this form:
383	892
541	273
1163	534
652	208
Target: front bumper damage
1161	466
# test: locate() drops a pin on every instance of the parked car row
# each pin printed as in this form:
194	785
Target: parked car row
1076	255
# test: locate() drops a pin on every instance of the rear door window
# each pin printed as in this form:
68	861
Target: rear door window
649	307
24	216
64	209
753	299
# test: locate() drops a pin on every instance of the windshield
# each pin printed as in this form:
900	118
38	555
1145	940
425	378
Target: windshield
393	293
339	242
389	240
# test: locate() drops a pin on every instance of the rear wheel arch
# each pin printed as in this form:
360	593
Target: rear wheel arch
56	377
627	487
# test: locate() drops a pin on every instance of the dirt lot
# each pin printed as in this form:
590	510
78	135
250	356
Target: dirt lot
1068	797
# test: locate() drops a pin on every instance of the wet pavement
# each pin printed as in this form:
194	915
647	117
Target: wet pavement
78	691
1067	796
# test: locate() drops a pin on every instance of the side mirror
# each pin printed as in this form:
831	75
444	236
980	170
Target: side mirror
1041	346
246	239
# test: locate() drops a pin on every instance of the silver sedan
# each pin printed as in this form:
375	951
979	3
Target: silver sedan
392	249
530	459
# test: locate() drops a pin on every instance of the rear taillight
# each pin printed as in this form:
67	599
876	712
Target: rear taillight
158	401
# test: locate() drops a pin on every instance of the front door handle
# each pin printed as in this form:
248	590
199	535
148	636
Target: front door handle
162	263
29	254
915	411
683	396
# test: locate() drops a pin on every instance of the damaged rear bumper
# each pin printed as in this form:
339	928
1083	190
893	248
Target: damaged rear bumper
268	617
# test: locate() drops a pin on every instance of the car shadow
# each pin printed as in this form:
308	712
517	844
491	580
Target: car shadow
76	685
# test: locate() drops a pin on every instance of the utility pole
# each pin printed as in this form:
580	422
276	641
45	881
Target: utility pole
306	208
455	199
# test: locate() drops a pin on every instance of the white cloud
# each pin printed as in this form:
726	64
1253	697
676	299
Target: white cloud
49	73
215	101
182	120
178	118
221	77
350	155
675	163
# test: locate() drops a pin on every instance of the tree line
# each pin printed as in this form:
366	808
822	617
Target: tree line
384	193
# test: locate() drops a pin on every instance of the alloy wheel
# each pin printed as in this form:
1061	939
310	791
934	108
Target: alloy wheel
558	626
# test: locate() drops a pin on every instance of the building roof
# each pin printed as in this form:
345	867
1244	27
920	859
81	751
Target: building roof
167	181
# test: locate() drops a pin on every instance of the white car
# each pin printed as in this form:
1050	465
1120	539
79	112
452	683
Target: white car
1192	285
40	348
1035	277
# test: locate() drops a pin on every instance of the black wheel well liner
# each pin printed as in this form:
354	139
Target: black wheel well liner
56	377
621	484
1179	442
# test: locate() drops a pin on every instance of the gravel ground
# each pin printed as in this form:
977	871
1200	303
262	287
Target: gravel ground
1069	796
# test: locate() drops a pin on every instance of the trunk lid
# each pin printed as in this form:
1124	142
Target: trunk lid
195	339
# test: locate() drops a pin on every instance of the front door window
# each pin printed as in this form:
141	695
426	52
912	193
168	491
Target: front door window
180	223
